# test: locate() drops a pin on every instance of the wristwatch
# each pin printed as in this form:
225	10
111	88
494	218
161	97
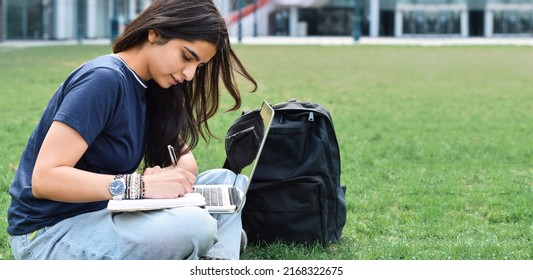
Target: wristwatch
117	187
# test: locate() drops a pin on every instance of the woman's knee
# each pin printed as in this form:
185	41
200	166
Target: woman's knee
199	226
177	233
190	235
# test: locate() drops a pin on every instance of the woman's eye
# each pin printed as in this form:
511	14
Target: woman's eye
185	57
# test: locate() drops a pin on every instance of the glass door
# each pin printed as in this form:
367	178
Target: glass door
27	19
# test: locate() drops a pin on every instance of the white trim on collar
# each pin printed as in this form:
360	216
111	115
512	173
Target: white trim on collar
131	70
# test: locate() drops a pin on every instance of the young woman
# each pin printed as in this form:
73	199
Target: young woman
159	87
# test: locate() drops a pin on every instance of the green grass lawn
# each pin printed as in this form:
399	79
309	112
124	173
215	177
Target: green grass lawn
436	142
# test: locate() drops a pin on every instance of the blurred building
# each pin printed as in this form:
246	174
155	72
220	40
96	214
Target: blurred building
96	19
66	19
383	18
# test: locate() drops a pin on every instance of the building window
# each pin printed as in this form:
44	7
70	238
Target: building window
435	23
25	19
513	22
279	23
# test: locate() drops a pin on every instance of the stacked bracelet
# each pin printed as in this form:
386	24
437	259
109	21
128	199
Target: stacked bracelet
134	186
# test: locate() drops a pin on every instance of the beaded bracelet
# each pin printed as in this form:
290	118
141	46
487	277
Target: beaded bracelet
127	190
141	186
134	185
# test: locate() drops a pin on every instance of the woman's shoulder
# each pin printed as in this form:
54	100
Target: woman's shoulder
104	69
110	62
112	67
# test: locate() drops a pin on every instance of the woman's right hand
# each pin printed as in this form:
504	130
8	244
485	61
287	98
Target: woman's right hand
168	182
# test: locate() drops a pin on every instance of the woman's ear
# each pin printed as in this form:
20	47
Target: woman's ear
152	36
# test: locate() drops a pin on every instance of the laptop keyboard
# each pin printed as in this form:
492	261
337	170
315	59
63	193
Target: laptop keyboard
213	196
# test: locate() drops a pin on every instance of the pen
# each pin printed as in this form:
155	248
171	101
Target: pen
172	154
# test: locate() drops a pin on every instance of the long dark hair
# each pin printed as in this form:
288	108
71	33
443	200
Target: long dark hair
179	115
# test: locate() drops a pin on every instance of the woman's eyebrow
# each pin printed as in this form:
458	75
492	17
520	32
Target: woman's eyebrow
196	57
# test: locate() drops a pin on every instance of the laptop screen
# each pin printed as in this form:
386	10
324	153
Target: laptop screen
267	115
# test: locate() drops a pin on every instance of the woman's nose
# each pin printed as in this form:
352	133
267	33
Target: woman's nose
189	72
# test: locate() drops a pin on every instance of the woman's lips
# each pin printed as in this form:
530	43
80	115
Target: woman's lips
176	81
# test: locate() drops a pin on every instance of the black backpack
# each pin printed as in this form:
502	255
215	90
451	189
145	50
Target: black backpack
295	195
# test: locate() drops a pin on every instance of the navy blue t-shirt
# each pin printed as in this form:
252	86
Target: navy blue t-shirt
104	101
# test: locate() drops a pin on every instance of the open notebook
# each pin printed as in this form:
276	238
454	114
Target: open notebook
132	205
229	198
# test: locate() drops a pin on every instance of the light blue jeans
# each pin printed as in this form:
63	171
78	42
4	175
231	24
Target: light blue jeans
178	233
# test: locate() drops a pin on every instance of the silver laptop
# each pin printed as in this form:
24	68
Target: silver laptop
228	198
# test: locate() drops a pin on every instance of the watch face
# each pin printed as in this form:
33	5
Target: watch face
117	187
